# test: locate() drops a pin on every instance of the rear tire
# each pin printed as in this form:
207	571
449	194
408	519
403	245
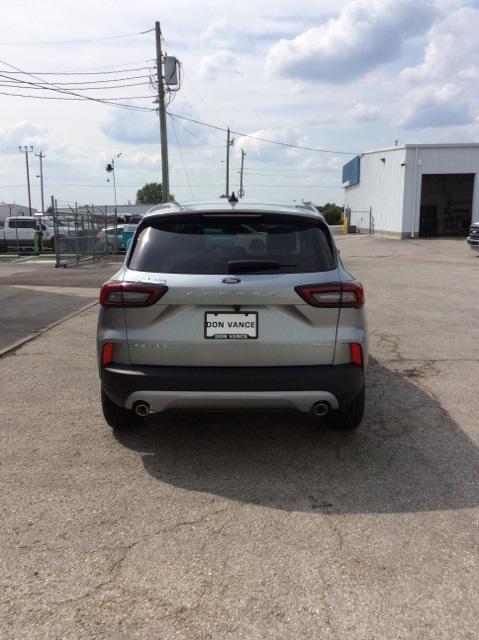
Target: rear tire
349	417
118	418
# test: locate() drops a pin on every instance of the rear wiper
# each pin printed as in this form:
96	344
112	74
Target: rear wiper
244	266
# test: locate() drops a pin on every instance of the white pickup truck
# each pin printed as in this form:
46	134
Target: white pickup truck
17	232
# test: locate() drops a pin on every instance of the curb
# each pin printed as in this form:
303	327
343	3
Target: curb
16	345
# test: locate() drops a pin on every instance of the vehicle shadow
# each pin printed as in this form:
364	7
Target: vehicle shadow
407	456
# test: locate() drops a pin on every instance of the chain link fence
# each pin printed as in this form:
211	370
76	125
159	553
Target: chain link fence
360	220
85	236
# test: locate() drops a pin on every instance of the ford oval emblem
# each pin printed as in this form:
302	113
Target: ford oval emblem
231	280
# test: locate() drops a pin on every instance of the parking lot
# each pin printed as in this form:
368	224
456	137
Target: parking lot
252	526
34	295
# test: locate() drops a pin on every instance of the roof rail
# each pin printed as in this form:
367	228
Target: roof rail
165	205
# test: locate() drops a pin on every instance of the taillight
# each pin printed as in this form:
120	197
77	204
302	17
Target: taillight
107	353
356	354
333	294
130	294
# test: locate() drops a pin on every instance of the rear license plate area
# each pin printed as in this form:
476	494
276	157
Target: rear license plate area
231	326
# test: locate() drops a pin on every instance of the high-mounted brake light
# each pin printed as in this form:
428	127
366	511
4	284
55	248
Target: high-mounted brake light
107	353
130	294
333	295
356	354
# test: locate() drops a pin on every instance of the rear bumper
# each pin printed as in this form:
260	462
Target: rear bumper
473	242
228	387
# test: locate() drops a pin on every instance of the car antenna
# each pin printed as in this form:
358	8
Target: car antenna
233	199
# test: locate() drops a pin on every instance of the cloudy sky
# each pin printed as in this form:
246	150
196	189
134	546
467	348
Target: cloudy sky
339	76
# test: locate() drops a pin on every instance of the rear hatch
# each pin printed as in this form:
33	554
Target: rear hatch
231	298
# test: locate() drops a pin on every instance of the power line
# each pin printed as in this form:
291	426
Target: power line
182	160
196	186
281	175
83	73
52	42
15	85
261	139
82	99
86	81
187	76
218	146
78	95
113	66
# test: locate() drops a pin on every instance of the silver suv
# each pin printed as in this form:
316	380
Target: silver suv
232	305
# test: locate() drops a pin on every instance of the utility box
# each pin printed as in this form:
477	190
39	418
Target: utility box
171	70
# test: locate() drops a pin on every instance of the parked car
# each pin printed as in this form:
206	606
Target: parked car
129	218
473	237
232	306
18	232
110	240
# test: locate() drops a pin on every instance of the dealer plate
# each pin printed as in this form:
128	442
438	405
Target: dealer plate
231	326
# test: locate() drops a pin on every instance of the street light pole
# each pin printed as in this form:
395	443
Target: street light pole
229	143
41	156
114	185
110	168
241	190
28	149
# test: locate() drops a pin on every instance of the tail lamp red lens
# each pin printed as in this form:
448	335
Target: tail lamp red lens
356	354
130	294
333	294
107	353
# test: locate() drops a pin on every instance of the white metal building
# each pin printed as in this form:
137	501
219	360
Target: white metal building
13	209
414	190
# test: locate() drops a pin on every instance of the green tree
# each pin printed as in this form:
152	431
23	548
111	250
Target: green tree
332	213
151	193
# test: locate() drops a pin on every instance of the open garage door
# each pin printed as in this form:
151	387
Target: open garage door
446	204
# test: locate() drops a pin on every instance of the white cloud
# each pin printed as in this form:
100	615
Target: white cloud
220	65
131	127
365	34
22	133
260	150
142	128
362	112
219	34
436	106
453	44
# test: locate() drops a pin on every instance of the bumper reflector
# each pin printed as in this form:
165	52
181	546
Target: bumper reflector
356	354
107	353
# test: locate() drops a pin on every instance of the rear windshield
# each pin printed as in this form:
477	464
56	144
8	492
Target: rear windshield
205	244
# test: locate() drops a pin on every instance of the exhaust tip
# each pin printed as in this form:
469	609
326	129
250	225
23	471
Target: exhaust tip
141	408
320	408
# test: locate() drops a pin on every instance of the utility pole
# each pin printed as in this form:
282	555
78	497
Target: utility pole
41	156
165	179
241	190
229	143
27	149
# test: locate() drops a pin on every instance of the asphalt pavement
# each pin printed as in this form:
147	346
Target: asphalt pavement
200	526
34	295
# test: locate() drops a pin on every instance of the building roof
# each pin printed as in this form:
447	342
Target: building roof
445	145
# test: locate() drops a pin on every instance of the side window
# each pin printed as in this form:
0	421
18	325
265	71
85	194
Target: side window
22	224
